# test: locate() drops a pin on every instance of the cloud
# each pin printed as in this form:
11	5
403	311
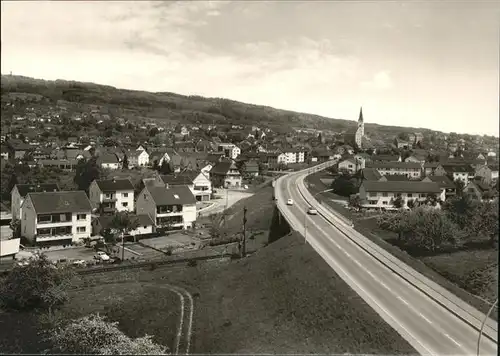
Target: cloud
381	80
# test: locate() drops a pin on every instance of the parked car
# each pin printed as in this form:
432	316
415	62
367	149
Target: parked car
312	211
289	202
79	263
101	256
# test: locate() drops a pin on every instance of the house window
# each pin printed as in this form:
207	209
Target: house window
81	229
124	205
471	190
384	202
410	195
372	194
385	194
81	216
125	195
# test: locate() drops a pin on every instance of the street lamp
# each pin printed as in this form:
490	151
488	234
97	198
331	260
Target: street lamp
305	215
482	325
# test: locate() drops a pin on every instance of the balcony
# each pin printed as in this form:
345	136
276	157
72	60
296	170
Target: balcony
45	219
54	233
169	209
109	199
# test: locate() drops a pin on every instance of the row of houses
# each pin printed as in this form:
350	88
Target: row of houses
50	216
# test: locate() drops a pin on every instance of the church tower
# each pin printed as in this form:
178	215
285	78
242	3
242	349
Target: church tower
361	123
360	132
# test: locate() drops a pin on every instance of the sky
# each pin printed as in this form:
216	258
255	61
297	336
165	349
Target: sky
432	64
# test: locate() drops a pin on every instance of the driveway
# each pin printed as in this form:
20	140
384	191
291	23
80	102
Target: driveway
228	197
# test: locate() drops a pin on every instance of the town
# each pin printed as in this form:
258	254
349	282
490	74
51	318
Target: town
249	178
88	190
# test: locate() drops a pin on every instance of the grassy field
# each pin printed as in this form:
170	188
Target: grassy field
467	274
282	299
259	211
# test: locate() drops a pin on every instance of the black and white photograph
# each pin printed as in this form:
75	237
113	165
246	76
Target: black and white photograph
249	177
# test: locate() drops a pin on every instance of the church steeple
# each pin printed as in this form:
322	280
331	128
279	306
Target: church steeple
360	115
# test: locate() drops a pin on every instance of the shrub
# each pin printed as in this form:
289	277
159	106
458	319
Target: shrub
192	263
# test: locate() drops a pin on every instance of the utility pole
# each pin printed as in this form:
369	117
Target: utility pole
123	247
243	245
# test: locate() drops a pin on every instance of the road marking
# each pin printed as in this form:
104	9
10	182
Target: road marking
453	340
404	301
423	317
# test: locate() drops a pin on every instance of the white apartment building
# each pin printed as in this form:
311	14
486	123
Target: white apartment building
112	195
56	218
19	192
172	207
379	194
409	169
230	150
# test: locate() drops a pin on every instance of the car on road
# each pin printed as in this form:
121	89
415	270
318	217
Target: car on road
101	256
312	211
289	202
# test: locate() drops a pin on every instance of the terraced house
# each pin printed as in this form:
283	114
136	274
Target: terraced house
172	208
377	194
409	169
56	218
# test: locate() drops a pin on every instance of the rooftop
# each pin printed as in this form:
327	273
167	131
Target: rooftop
175	195
60	202
401	187
112	185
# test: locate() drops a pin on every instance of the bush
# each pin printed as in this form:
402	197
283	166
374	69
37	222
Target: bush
192	263
94	335
40	284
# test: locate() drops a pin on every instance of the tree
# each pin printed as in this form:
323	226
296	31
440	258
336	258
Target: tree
429	229
122	224
165	167
12	183
153	132
86	173
93	334
15	226
355	202
125	162
460	185
398	202
39	284
411	203
461	210
345	185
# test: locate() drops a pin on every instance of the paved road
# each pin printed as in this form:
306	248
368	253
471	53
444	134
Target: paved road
430	328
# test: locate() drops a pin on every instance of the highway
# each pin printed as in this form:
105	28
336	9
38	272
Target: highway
428	326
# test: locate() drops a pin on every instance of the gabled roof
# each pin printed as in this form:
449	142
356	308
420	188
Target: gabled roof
385	158
402	165
222	167
394	178
108	158
458	168
442	181
176	179
174	195
112	185
401	187
60	202
24	189
370	174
